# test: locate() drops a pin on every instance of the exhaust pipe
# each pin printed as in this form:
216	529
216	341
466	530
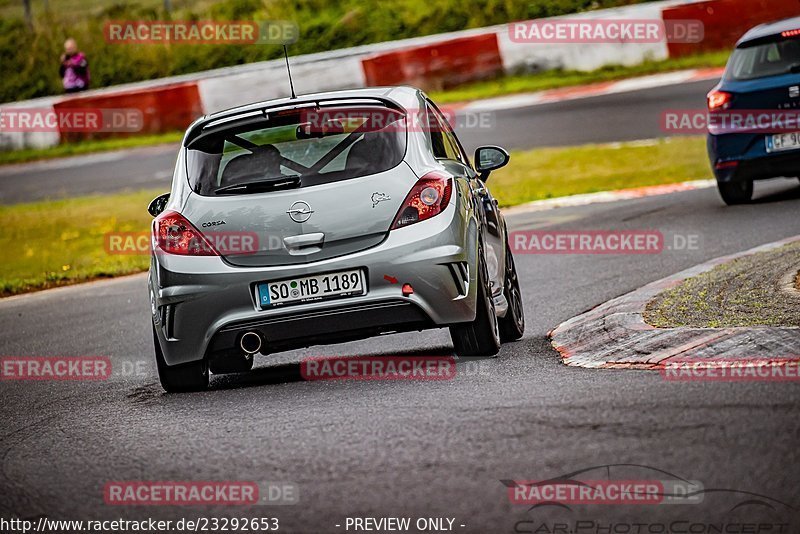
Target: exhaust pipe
250	342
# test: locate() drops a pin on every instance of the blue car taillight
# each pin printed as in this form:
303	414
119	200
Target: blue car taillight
719	100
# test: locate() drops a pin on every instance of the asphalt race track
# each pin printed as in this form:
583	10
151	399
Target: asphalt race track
410	448
599	119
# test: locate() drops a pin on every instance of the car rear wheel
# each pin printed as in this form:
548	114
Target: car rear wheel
512	326
739	192
180	378
480	337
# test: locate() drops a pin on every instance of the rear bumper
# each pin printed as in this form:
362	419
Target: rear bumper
334	325
753	162
203	304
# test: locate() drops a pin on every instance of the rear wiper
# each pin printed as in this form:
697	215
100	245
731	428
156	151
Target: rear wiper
284	182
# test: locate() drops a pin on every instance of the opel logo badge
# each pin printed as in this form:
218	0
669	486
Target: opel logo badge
300	211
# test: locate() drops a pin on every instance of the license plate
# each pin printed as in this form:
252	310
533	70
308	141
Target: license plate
311	288
786	141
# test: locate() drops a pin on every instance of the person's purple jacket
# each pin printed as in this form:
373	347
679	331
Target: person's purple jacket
74	72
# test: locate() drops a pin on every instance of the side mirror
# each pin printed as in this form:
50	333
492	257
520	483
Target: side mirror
158	204
489	158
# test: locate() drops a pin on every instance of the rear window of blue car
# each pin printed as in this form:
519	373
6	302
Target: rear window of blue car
296	149
773	58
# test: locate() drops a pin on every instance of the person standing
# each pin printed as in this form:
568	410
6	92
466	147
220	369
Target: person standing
74	70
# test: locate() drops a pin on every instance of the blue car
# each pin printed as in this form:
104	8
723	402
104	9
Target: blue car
762	79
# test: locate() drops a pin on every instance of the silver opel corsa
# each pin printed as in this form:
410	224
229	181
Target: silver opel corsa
326	218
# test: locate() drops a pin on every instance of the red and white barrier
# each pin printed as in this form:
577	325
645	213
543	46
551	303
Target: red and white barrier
437	65
162	108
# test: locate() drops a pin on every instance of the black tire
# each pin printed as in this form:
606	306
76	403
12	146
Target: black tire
180	378
481	337
733	193
512	326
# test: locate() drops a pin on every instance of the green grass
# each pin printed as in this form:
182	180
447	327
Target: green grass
554	79
87	147
556	172
52	243
75	9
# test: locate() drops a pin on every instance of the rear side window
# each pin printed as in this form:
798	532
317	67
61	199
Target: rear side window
766	59
298	149
442	138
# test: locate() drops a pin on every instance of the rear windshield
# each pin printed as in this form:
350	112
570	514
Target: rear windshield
296	149
762	60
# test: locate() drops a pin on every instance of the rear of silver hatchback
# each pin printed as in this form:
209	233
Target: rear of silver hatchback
284	229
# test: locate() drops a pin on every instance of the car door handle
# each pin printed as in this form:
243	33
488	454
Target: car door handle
304	244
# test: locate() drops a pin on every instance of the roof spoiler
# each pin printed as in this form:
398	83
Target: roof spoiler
221	121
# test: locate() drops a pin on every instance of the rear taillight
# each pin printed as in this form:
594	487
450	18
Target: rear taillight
173	234
719	100
428	197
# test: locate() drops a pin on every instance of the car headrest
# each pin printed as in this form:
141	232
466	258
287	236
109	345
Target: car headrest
264	160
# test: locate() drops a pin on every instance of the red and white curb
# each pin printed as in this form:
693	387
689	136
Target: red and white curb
608	196
587	91
615	335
